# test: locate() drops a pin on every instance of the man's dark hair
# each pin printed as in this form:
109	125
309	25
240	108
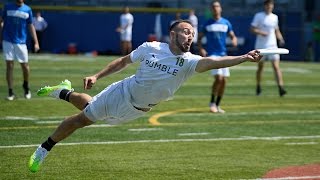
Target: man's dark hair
177	22
268	2
214	1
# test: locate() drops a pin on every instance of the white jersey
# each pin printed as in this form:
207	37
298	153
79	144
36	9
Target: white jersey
126	21
39	23
267	23
160	73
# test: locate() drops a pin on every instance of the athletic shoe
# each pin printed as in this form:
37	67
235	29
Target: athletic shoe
213	107
258	90
37	158
220	110
27	95
54	91
11	97
282	92
216	109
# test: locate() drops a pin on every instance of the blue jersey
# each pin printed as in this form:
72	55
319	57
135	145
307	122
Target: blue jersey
15	23
216	32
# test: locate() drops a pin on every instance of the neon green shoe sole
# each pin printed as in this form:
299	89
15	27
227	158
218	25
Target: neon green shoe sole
52	90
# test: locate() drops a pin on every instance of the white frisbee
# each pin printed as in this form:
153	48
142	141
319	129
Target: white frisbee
270	51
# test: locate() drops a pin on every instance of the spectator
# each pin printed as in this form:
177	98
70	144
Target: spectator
17	19
194	21
265	26
125	30
216	31
40	24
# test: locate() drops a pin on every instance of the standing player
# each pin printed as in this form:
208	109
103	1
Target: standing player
194	21
125	30
265	26
17	19
162	70
40	24
216	31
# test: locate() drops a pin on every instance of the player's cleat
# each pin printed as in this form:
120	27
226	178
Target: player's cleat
27	95
215	109
258	90
282	92
54	91
11	97
37	158
220	110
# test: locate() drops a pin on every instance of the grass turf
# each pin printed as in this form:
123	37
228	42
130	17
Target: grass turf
201	145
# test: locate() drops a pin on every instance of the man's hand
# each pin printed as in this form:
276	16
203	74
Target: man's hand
253	56
88	82
282	42
36	47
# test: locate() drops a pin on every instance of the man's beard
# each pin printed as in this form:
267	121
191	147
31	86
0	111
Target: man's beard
180	46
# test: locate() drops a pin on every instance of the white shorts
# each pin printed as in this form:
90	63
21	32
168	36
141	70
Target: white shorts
272	57
126	36
15	51
113	105
222	71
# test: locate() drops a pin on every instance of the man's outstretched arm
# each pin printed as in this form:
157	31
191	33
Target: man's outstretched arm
113	67
208	63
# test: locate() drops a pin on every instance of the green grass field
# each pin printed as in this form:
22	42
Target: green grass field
257	134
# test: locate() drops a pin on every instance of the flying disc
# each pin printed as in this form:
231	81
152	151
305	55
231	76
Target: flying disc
270	51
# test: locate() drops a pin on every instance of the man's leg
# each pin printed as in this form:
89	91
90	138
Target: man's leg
129	47
9	78
123	47
69	125
26	73
214	93
259	77
278	76
220	92
65	129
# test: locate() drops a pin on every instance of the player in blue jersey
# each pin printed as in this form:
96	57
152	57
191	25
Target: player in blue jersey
216	30
17	19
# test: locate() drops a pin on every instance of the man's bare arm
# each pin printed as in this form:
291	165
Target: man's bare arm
208	63
113	67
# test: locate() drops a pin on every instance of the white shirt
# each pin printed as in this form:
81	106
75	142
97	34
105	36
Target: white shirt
267	23
194	21
39	23
126	21
160	73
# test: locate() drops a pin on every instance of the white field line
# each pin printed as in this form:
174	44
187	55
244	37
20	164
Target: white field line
37	119
145	129
288	178
300	143
246	113
24	118
48	122
193	134
276	138
57	122
289	69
